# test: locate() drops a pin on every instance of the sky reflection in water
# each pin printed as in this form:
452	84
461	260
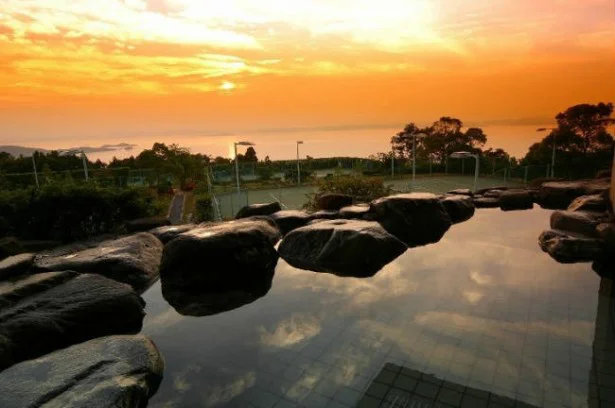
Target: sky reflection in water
484	307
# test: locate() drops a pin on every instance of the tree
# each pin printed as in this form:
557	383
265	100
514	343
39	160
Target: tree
250	155
589	122
402	141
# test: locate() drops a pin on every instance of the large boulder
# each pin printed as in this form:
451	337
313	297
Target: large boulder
415	218
111	372
486	202
579	222
459	207
16	265
258	209
483	191
333	201
288	220
353	212
595	202
511	200
461	191
342	247
568	247
220	257
169	233
325	215
560	194
146	224
44	312
10	246
134	259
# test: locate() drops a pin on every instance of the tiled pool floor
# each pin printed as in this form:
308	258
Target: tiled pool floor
484	310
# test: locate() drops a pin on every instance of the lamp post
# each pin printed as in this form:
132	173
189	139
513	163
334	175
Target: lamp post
414	136
299	142
553	153
83	159
35	172
243	143
465	155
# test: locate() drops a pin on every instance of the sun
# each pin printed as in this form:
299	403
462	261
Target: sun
227	86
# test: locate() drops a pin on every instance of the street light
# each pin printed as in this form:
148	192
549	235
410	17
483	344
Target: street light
465	155
83	158
544	129
237	161
299	142
35	172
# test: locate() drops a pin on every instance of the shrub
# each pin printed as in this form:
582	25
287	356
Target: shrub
361	189
68	212
204	210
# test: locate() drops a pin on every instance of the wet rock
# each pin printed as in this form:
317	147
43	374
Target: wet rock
353	212
166	234
482	191
416	218
579	222
594	202
459	207
606	231
560	194
325	215
461	191
17	265
486	202
516	200
220	257
493	193
48	311
568	247
110	372
342	247
146	224
134	259
258	209
10	246
288	220
333	201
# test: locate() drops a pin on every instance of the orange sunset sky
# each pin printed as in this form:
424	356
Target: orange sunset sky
204	73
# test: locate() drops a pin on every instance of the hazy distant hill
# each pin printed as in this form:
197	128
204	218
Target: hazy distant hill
27	151
21	150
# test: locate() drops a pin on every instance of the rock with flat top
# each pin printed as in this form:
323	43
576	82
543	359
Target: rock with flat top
288	220
579	222
415	218
354	212
511	200
486	202
461	191
258	209
459	207
15	266
341	247
560	194
134	260
568	247
595	202
169	233
48	311
146	224
333	201
110	372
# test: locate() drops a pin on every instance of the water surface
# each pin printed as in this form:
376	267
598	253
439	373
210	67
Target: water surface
483	308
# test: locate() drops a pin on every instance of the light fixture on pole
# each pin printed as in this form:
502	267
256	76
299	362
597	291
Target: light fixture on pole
553	153
243	143
35	172
465	155
83	159
414	136
299	142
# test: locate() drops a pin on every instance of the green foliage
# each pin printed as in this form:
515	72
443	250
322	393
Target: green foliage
291	175
67	213
204	210
360	188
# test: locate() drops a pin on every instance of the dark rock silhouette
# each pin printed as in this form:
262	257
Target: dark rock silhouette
146	224
220	257
48	311
342	247
568	247
354	212
258	209
15	266
134	259
168	233
461	191
511	200
459	207
560	194
333	201
595	202
110	372
486	202
579	222
288	220
416	218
